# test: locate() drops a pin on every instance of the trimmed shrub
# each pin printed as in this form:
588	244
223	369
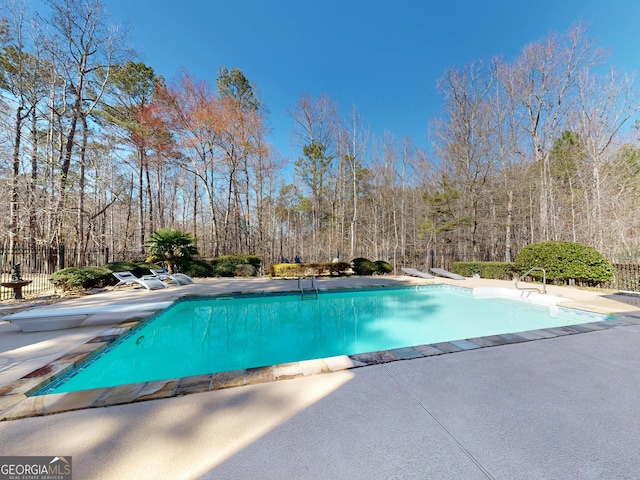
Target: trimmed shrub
382	267
338	268
197	268
227	265
137	268
497	270
223	269
245	270
82	278
363	266
564	261
306	269
97	277
286	269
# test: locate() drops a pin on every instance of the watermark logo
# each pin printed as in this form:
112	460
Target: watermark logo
35	468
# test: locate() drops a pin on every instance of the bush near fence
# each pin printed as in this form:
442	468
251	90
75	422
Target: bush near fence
38	262
495	270
307	269
626	277
565	263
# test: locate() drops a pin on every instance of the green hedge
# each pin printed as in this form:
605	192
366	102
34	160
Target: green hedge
306	269
97	277
496	270
382	267
82	278
565	261
137	268
235	265
363	266
197	268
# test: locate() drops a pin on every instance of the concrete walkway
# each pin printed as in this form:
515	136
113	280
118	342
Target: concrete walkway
565	407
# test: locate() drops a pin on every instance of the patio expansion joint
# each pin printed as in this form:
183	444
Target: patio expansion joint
433	418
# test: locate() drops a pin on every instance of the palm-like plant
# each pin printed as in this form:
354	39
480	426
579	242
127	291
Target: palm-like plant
170	247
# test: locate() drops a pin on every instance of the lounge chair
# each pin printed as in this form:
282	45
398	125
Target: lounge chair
177	278
446	273
147	281
417	273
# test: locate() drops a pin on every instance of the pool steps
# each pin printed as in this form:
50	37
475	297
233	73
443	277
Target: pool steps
312	290
524	295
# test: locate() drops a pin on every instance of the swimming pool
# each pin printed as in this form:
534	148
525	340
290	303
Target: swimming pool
206	335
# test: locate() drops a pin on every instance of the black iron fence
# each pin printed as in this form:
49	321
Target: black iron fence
37	263
626	277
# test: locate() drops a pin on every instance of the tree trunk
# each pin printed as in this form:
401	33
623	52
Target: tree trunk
33	184
13	213
141	220
81	193
507	236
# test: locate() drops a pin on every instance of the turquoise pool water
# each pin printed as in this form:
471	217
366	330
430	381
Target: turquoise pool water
215	334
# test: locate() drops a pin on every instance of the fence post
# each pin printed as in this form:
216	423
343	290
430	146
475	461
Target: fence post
61	256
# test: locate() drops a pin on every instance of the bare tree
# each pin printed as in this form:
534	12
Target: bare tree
464	137
19	77
316	123
356	139
543	80
82	45
606	104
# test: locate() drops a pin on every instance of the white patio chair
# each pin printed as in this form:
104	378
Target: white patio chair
178	278
147	281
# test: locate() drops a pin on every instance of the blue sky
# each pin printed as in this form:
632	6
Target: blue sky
384	57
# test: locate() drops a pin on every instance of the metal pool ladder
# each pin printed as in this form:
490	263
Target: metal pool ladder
314	286
544	280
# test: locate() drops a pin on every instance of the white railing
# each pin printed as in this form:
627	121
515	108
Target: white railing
314	286
544	280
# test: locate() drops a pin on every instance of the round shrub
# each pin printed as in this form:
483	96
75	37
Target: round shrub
197	268
363	266
382	267
81	278
226	265
224	269
497	270
565	261
137	268
245	270
338	268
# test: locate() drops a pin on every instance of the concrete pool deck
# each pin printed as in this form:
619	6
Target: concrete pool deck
563	407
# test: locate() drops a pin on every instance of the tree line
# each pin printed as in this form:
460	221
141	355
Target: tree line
97	150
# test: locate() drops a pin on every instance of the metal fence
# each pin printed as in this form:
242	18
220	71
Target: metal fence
626	277
37	263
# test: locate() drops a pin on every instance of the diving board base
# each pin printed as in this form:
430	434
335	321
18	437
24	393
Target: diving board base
43	324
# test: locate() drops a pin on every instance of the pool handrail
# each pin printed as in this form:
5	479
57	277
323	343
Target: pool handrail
314	286
544	280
